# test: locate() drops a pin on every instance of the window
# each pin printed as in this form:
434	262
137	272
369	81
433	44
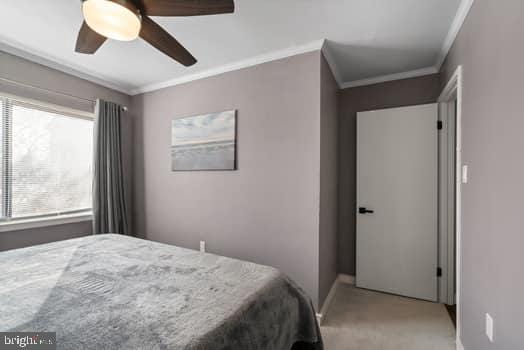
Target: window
46	161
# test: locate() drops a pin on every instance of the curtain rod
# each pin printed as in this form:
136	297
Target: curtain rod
52	91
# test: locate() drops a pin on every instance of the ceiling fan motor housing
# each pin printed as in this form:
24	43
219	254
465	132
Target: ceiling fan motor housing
126	20
116	19
128	4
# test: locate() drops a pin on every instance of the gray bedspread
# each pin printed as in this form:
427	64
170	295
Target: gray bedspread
116	292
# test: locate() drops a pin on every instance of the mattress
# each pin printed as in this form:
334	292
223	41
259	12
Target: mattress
117	292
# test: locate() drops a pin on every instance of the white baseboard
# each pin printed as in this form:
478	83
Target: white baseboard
347	279
459	345
327	301
341	278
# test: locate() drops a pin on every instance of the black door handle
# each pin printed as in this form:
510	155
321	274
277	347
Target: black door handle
363	210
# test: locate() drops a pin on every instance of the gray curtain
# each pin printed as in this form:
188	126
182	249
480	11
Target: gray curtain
109	205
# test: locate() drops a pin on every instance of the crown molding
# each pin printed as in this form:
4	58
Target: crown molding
390	77
253	61
456	25
19	50
332	64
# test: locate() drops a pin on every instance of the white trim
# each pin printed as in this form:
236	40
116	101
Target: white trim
332	64
459	344
51	106
347	279
327	301
447	188
19	50
253	61
456	25
341	278
454	88
24	224
390	77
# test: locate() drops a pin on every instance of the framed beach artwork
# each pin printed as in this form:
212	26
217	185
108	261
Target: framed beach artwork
204	142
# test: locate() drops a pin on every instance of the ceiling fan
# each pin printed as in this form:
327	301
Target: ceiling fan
127	20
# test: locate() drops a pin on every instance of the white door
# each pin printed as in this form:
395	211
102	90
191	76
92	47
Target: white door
397	189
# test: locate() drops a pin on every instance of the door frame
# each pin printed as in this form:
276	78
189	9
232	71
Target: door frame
453	91
446	202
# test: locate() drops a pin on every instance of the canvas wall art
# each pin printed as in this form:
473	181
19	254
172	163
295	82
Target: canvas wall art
204	142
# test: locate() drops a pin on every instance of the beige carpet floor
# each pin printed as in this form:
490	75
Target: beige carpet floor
364	320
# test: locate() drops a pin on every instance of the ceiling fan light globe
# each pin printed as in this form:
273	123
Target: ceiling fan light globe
118	20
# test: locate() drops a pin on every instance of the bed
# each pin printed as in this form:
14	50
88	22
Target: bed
117	292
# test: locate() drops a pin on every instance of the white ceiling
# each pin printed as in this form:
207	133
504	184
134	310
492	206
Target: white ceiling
365	38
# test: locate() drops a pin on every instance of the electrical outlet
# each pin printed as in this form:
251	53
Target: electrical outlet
203	246
489	327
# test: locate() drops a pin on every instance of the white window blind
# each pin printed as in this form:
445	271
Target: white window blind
47	158
3	116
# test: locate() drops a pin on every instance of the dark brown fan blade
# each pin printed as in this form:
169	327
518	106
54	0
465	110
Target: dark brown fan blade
186	7
88	40
163	41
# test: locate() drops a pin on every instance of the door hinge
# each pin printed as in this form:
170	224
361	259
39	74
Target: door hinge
439	271
439	125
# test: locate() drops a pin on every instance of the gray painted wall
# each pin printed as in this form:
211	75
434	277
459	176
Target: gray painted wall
29	237
491	50
392	94
19	69
328	243
268	210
